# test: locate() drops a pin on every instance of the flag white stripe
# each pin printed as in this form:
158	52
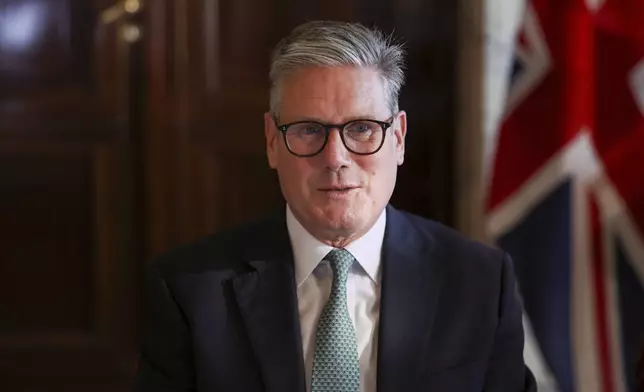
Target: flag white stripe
584	331
502	22
578	160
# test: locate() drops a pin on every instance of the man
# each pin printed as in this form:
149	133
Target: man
339	291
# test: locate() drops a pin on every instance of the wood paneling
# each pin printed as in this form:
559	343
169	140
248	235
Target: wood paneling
47	206
68	233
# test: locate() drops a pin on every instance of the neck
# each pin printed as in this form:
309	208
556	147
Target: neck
337	237
338	241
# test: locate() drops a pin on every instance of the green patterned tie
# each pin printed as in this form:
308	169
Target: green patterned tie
335	361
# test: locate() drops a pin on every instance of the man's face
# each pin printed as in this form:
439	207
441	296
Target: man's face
336	195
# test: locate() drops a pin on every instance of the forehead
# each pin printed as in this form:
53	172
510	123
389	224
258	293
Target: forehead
333	94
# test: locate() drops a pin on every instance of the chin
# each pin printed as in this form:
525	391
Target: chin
342	219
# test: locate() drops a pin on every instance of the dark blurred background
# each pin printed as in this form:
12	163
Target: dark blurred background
127	128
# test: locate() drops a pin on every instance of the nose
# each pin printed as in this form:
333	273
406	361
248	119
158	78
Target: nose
335	154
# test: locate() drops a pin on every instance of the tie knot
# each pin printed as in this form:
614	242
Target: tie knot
341	261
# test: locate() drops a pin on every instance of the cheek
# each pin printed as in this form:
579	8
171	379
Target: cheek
295	174
380	174
373	172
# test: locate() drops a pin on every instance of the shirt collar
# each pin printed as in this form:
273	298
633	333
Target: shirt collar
308	251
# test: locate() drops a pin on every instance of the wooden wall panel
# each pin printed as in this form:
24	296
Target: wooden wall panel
46	204
68	277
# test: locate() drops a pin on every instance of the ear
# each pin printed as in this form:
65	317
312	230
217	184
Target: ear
272	140
399	133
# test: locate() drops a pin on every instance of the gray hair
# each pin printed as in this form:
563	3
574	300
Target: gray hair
331	43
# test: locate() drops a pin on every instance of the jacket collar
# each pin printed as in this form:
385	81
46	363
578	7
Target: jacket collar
411	284
412	269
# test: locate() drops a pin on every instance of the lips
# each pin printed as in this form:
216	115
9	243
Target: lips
339	188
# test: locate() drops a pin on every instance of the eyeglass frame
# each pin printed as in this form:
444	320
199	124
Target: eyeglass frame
385	125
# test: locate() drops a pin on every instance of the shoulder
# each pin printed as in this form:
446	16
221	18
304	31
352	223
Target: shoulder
480	275
222	250
458	252
448	238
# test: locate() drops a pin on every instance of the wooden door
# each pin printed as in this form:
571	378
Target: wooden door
68	217
206	160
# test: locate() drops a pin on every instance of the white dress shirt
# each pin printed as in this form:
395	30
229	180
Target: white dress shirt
314	278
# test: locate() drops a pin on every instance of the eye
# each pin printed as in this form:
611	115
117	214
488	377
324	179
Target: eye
361	127
305	130
310	129
362	130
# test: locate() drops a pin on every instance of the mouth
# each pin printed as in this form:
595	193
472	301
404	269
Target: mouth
338	190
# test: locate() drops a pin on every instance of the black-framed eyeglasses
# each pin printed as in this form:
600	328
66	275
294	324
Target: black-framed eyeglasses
308	138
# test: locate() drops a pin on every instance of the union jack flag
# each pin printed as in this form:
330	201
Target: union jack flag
565	195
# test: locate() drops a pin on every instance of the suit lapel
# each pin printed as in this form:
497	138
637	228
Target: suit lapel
267	299
411	281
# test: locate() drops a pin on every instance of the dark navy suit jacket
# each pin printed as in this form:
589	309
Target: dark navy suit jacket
222	314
